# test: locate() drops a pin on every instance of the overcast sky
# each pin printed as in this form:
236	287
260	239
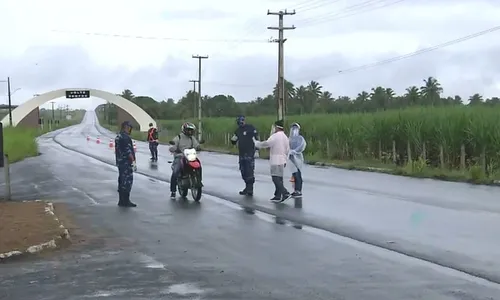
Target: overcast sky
330	36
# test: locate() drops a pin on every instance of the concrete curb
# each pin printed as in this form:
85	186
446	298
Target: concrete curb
51	244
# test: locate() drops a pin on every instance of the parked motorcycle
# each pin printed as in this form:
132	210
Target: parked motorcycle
190	175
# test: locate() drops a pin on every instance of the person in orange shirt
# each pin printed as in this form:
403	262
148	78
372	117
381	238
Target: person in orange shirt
153	142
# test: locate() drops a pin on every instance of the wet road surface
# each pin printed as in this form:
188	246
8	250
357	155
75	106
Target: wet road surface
181	250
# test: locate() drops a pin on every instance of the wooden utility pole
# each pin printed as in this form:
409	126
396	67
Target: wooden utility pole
281	61
194	81
199	57
10	101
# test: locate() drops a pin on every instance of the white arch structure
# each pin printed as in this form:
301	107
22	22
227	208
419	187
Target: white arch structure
140	116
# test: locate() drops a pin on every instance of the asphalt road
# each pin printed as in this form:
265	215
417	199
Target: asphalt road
181	250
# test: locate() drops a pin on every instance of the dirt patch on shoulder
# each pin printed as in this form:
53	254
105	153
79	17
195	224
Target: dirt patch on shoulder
24	224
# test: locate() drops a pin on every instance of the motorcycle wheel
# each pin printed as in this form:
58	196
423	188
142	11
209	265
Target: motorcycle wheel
196	194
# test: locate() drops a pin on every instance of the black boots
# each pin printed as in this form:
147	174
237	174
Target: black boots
124	200
248	190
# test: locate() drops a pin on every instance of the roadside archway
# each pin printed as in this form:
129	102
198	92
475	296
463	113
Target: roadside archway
140	116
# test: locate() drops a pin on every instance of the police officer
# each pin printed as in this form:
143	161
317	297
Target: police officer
125	160
244	136
153	142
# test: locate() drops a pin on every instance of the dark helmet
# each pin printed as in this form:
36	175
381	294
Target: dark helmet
127	123
150	124
240	120
188	128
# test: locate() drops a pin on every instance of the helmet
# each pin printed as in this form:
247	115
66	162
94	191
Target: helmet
188	128
127	123
150	124
294	129
295	125
240	120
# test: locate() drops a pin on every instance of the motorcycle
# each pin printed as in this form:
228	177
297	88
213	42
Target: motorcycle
190	174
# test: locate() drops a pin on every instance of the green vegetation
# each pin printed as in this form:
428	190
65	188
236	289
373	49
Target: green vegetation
418	134
20	142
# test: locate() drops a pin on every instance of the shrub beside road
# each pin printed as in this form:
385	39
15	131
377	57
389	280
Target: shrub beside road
20	142
451	143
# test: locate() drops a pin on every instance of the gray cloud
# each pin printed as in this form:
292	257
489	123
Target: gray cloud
198	14
460	73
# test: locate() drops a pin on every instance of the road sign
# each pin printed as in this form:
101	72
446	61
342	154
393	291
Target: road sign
77	94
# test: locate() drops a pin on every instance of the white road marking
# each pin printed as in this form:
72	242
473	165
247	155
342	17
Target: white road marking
85	194
184	289
150	262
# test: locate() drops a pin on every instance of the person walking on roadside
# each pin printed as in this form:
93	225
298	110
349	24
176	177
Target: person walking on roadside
279	148
297	146
125	160
153	142
244	136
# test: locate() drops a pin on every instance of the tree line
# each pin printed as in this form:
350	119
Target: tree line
300	100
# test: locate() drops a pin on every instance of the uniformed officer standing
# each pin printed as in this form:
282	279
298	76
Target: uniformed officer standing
244	136
125	160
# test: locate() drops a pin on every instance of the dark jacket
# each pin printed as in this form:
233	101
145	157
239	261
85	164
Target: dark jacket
244	137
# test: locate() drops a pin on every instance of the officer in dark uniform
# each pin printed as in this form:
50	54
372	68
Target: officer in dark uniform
125	160
243	136
153	142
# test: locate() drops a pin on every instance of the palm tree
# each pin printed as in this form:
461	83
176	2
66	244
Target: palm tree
324	101
127	94
475	99
301	96
361	101
379	97
431	90
412	95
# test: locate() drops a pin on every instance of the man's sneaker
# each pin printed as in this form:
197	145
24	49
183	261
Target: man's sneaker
285	197
296	194
276	199
172	195
246	193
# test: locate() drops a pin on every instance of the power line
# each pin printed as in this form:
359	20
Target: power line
349	11
421	51
382	62
261	41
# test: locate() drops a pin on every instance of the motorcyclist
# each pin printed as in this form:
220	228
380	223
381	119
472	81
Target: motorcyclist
184	140
244	136
153	142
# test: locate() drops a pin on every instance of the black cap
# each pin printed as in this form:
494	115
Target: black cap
279	124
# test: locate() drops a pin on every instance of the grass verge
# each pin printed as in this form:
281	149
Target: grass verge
20	142
417	169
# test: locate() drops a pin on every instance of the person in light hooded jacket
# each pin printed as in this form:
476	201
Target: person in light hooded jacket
279	147
297	146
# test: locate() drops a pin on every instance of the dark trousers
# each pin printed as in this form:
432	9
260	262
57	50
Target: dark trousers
279	187
247	169
153	148
176	169
125	177
297	176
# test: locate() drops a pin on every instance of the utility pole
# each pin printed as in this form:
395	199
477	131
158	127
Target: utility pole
194	81
52	110
281	59
199	93
10	101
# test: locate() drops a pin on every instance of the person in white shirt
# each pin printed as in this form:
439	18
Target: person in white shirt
279	148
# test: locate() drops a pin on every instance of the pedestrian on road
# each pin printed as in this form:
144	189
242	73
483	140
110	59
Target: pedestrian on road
279	147
185	140
153	142
125	160
297	146
244	136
